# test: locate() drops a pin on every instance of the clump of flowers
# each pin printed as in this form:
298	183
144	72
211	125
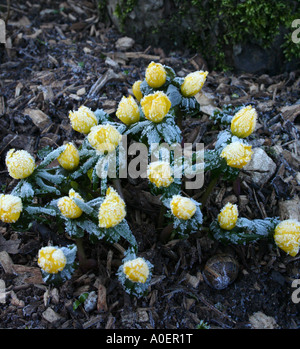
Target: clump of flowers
80	189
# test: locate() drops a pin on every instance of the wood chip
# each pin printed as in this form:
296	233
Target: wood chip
28	275
102	81
39	118
101	301
6	262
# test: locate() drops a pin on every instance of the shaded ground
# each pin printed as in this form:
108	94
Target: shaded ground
56	52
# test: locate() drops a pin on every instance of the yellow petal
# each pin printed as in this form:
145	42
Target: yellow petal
136	270
104	138
69	158
193	83
155	75
112	210
136	89
160	173
67	206
128	111
83	119
182	207
244	121
228	216
10	208
236	154
51	259
20	164
287	236
156	106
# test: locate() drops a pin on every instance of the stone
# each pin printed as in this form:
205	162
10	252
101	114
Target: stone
259	320
290	209
125	43
50	315
261	167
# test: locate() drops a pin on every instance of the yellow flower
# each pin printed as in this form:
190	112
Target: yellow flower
136	89
83	119
20	163
287	236
155	106
193	83
112	210
136	270
228	216
160	173
128	111
10	208
67	206
244	121
69	158
182	208
155	75
237	154
51	259
104	138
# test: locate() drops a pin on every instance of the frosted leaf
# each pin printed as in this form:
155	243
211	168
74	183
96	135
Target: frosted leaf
53	178
73	229
51	156
83	206
101	116
85	167
45	188
224	138
138	127
174	95
33	210
23	189
91	228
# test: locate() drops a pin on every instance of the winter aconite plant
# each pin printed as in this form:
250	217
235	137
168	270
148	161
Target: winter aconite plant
76	188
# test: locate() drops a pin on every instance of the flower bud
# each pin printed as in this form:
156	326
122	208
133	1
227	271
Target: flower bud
67	206
20	163
160	174
136	270
287	236
244	121
104	138
51	259
182	207
193	83
83	119
228	216
10	208
155	75
237	154
69	158
128	111
112	210
136	89
156	106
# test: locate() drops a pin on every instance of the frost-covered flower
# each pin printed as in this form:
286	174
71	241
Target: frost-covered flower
287	236
237	154
69	158
193	83
155	75
244	121
136	270
10	208
83	119
128	110
160	173
112	210
104	138
136	89
182	207
51	259
20	164
228	216
67	205
156	106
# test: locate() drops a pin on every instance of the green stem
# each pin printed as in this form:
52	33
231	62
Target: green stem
209	189
84	263
166	233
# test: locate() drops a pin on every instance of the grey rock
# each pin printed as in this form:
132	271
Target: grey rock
261	167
